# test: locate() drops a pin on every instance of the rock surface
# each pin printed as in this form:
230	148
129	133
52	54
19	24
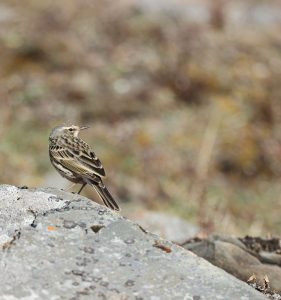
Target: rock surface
231	254
56	245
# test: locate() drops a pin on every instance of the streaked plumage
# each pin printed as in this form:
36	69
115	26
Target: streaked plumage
74	160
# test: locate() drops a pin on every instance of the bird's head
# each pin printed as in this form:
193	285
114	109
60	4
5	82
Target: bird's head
72	130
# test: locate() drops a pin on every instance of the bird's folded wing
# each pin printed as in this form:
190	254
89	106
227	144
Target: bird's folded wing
89	158
79	162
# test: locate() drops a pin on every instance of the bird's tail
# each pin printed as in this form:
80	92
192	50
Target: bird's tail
105	195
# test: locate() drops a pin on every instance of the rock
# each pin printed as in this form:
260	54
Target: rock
58	245
233	256
165	225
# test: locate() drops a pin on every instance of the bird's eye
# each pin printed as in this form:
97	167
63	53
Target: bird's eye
70	129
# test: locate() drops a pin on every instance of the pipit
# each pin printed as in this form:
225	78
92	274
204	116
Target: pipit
77	162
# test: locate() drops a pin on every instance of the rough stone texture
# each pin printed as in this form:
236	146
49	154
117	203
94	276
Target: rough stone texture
231	254
57	245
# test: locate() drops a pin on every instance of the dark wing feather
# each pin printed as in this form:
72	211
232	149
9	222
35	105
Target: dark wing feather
90	159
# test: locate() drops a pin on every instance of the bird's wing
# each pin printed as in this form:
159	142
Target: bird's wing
79	160
88	157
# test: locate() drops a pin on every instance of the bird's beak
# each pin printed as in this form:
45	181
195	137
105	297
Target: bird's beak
84	127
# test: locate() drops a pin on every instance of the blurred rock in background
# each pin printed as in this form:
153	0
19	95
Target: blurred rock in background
165	225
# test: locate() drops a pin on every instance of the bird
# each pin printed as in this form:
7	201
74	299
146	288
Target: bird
74	159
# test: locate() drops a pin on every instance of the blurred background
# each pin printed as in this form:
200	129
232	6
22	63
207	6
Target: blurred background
183	98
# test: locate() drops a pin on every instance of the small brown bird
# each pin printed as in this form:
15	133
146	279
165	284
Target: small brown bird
74	160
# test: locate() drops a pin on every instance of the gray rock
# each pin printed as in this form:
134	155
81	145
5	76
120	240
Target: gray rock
58	245
230	254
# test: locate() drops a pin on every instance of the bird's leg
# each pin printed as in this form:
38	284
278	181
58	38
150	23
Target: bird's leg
83	185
